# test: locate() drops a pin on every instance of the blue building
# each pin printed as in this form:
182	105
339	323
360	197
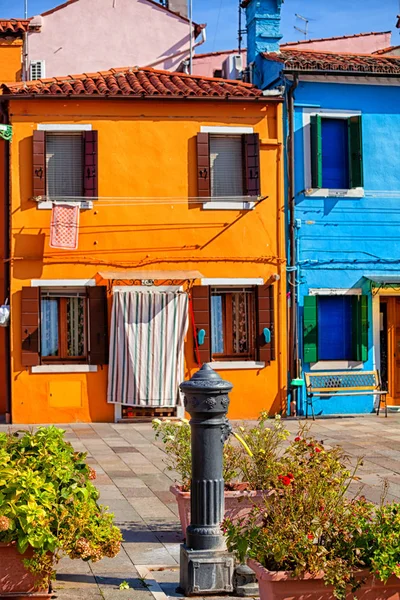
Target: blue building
343	200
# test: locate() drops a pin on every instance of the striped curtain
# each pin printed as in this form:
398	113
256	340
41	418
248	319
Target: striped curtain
146	348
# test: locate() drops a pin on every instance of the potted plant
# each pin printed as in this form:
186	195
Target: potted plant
308	540
245	474
48	507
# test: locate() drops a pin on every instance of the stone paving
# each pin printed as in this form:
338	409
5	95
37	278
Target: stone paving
134	483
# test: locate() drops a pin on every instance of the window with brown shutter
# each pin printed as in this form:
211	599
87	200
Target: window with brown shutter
201	315
98	325
64	325
39	163
90	164
30	310
228	165
65	164
265	323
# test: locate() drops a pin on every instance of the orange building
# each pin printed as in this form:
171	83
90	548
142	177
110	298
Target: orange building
172	188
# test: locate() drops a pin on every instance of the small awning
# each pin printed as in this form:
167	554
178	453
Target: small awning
385	279
153	275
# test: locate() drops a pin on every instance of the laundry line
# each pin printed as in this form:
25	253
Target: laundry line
146	200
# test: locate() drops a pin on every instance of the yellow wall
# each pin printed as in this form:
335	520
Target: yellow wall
146	152
10	60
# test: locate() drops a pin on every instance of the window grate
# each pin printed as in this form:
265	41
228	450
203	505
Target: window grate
64	165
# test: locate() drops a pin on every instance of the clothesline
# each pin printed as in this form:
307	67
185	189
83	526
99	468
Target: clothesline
143	200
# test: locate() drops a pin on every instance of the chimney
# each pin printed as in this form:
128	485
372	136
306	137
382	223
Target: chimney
179	6
263	23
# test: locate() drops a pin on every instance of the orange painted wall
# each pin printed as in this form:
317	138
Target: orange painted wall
147	149
10	60
3	168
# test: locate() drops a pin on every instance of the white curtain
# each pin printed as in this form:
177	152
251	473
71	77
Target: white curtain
146	347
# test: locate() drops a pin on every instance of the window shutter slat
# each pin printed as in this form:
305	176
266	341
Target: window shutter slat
226	165
252	164
316	151
355	152
203	165
90	178
98	325
310	329
265	320
39	163
201	313
30	307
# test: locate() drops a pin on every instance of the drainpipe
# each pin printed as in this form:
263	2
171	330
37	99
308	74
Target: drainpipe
293	338
6	255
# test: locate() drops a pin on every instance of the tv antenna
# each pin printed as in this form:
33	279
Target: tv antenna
303	30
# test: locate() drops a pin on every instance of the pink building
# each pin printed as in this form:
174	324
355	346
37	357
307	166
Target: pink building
94	35
212	64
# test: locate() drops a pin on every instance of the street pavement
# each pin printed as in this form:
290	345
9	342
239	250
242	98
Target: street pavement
133	481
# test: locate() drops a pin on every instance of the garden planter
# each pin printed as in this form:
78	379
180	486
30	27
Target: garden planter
280	585
15	581
238	504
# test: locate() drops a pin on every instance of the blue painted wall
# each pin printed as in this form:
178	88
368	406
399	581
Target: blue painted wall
263	18
342	240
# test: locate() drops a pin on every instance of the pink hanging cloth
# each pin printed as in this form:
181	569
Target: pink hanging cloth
64	228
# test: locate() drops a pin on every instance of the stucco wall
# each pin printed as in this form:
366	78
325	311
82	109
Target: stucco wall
341	240
95	35
10	60
360	44
206	64
148	149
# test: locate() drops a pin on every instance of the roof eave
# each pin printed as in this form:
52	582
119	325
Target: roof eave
338	73
274	99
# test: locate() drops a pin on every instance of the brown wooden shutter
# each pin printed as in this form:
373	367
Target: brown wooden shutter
90	167
203	165
252	164
201	312
39	163
265	320
98	325
30	310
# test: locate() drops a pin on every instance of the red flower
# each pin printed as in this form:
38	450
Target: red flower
286	481
310	536
290	475
318	450
297	439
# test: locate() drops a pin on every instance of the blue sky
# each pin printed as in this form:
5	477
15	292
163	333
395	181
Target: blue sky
327	18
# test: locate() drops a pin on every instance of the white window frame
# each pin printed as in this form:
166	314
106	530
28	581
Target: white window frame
64	128
221	365
335	365
217	130
42	72
324	192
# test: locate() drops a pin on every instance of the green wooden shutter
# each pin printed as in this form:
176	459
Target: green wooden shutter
355	152
316	151
360	327
310	329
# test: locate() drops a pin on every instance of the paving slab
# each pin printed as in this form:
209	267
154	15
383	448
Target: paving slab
134	482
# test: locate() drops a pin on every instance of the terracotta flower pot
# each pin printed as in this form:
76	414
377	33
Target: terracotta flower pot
280	585
238	504
15	581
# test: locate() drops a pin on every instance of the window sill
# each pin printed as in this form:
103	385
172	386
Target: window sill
228	205
236	364
336	365
48	205
64	369
331	193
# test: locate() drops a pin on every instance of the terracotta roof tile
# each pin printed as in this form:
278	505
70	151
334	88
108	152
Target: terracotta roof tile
336	62
387	50
14	25
134	82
